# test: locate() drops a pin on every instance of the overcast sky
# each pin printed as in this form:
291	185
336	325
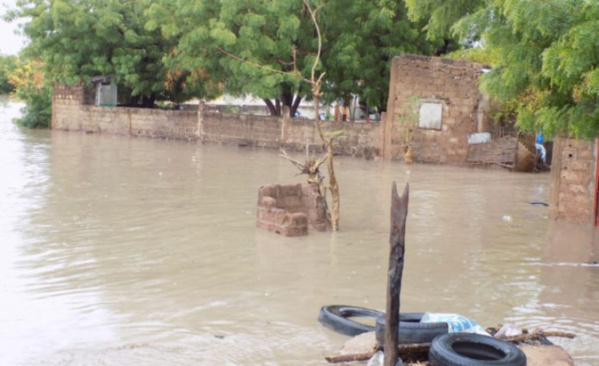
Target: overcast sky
10	43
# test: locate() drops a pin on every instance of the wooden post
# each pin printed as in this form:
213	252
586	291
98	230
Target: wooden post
399	213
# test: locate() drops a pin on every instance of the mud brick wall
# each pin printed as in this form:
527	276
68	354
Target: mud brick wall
572	190
71	113
433	79
358	139
168	124
280	210
315	207
240	129
66	107
289	209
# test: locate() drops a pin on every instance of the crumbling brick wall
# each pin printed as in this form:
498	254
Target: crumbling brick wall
432	79
572	190
289	209
70	112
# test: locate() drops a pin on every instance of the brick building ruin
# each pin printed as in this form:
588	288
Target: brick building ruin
450	108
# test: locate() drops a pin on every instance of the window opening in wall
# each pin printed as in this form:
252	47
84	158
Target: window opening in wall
431	115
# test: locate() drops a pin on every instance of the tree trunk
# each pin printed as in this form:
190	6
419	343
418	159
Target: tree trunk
148	102
316	101
288	99
334	187
443	50
333	184
295	105
271	107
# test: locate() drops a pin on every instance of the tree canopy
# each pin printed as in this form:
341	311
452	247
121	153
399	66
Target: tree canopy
32	87
362	37
207	34
79	39
544	54
177	49
254	47
548	61
7	66
440	15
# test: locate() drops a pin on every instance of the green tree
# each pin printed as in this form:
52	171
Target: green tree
220	44
224	41
441	15
34	89
7	65
79	39
361	39
547	61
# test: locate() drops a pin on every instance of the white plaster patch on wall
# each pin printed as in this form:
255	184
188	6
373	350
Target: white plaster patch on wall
431	115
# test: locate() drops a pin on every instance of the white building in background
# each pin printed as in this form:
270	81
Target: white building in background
256	106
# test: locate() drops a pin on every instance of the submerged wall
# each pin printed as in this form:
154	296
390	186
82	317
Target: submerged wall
71	113
288	209
572	195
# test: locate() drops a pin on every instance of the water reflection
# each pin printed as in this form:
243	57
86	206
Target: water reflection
130	251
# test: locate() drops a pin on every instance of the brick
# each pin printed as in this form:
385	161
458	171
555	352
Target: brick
580	177
584	166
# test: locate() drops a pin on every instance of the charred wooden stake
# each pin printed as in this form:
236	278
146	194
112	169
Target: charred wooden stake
399	213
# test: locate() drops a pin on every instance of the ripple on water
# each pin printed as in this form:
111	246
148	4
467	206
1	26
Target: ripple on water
121	251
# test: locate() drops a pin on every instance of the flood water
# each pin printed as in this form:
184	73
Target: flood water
124	251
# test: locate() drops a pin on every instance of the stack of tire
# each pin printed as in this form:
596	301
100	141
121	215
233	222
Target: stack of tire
447	349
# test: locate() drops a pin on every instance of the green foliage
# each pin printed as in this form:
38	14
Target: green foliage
408	121
80	39
361	39
35	91
477	54
548	61
213	39
441	15
175	49
7	65
221	44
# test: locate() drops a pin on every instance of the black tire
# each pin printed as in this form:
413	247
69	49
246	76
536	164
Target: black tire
337	318
411	330
466	349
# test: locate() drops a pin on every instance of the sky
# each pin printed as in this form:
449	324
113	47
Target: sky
10	43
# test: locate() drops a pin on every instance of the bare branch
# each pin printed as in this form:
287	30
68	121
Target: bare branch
284	155
310	167
313	15
318	163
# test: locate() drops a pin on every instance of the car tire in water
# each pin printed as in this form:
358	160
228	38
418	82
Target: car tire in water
338	318
466	349
411	330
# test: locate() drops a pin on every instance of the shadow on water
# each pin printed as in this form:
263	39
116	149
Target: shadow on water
123	251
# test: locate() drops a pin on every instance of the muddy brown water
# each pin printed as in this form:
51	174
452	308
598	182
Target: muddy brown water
119	251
